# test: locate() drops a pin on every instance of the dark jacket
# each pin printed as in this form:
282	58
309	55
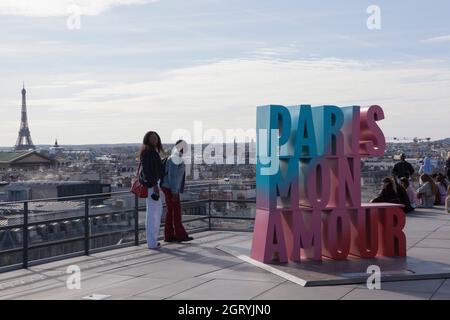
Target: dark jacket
404	199
387	194
152	168
403	169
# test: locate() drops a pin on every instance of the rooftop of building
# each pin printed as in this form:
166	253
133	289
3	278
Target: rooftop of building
45	182
11	156
43	206
8	156
199	270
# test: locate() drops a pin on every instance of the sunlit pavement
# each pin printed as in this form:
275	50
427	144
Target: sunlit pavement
198	270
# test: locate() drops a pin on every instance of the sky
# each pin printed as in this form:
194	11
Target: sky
107	71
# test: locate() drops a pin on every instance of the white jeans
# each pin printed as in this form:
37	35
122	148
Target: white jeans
153	219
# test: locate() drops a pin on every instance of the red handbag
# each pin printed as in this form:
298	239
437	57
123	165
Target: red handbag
138	188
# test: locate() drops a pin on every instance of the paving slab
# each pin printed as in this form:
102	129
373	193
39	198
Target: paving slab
59	290
443	292
173	289
421	286
244	271
226	290
434	243
129	288
291	291
365	294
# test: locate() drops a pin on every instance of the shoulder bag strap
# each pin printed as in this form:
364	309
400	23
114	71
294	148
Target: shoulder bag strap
139	168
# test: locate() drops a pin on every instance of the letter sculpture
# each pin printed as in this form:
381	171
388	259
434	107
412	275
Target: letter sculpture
308	186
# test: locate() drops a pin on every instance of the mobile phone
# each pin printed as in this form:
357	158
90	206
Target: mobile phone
155	196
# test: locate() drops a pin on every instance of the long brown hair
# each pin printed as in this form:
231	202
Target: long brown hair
390	183
426	178
147	146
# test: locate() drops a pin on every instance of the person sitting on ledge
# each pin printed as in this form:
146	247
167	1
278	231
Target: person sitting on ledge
441	187
388	192
410	191
391	192
427	191
403	197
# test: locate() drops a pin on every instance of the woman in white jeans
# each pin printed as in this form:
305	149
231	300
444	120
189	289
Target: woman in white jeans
151	173
153	220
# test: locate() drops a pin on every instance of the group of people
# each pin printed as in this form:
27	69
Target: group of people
434	188
168	175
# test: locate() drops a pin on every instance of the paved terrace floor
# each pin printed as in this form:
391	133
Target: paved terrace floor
200	271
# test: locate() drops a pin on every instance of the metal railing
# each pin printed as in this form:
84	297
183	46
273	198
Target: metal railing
88	217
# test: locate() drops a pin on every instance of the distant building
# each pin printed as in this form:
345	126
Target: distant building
27	160
83	188
43	189
56	149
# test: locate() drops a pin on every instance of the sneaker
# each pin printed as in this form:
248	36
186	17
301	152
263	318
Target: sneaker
186	239
157	246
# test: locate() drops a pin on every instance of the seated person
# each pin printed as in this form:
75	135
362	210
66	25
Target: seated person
413	200
388	192
441	187
403	197
427	191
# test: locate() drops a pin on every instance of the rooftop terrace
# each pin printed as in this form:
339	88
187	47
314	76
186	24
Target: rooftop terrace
199	270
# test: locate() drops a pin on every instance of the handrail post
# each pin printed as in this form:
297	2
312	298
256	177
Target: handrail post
209	207
136	220
86	226
25	236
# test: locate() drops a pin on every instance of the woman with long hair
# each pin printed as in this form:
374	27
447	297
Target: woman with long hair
403	197
388	192
427	191
410	192
151	173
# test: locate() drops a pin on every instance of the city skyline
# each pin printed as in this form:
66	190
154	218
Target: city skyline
162	65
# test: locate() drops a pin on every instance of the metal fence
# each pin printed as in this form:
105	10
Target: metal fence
80	228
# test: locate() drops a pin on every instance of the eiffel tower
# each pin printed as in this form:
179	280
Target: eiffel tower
24	141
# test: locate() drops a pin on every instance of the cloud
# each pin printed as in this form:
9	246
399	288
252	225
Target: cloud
439	39
278	51
224	95
48	8
356	41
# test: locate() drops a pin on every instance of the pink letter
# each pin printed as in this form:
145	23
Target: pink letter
304	237
364	232
349	175
318	188
268	238
372	138
336	234
393	240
